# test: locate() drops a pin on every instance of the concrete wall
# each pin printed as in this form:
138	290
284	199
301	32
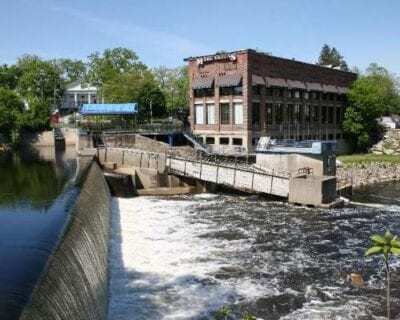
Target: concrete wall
312	190
292	162
74	284
132	157
70	136
40	139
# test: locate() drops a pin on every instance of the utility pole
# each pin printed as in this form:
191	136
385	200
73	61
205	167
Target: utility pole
151	112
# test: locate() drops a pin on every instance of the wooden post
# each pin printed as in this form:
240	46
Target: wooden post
201	165
252	180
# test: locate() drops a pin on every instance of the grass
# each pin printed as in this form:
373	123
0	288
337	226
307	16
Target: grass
369	157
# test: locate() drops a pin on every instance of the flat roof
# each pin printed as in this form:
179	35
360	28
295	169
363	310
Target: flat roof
252	51
109	108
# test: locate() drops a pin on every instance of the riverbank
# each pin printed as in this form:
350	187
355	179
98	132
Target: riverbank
369	169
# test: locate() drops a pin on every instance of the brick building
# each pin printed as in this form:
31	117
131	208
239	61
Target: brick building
239	96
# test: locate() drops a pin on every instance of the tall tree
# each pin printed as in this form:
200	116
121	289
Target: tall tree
372	95
174	83
112	63
9	76
72	70
11	108
332	58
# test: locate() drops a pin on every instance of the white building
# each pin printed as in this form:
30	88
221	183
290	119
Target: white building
77	94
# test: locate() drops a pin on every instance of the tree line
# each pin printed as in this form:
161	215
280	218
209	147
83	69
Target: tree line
33	86
374	94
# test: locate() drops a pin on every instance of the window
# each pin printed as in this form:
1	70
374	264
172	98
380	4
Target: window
238	91
290	94
338	114
331	96
323	114
324	96
237	113
237	141
210	113
224	109
330	115
225	91
315	115
199	114
297	94
256	90
254	141
290	113
256	114
224	141
330	136
278	92
278	113
297	112
268	113
307	114
269	92
229	91
315	95
306	95
210	140
200	93
337	136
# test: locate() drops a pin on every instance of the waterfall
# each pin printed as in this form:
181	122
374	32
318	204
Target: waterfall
74	283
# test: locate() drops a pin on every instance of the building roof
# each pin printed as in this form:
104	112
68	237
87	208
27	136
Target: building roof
81	87
109	108
262	54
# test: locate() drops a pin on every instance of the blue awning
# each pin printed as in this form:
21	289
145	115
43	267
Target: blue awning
109	108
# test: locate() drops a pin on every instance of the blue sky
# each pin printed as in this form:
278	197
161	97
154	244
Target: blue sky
165	32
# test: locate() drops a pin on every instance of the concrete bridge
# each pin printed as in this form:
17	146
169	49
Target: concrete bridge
233	174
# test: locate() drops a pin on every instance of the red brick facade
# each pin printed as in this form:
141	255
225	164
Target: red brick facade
249	63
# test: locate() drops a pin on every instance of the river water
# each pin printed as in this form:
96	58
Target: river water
36	191
185	257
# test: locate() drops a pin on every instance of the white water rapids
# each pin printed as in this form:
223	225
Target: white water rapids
185	257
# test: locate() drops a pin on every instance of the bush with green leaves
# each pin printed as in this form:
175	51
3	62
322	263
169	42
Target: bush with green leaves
386	245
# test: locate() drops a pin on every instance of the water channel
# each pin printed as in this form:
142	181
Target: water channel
36	190
185	257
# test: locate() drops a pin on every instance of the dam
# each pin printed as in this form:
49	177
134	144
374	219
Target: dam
186	256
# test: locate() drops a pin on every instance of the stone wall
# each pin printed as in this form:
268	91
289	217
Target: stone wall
363	174
390	144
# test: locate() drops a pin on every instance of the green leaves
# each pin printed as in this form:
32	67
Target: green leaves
386	244
373	250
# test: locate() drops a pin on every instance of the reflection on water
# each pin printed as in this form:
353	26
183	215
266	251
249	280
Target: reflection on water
184	257
35	193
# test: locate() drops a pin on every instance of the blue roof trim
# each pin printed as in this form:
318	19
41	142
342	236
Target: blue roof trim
109	108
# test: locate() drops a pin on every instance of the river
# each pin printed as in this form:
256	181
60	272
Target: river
185	257
36	190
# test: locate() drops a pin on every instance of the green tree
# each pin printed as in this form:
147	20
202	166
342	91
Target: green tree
113	63
151	94
40	81
71	70
9	76
331	57
386	245
372	95
11	108
174	83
